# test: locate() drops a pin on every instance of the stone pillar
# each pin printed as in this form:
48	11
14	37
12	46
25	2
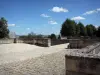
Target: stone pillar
49	42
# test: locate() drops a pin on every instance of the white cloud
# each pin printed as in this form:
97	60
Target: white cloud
11	25
78	18
98	9
28	28
96	26
44	15
90	12
59	9
52	22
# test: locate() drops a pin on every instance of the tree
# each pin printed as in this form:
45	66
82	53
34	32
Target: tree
77	30
94	29
82	29
91	30
98	32
31	35
52	36
59	37
71	28
39	36
4	31
68	28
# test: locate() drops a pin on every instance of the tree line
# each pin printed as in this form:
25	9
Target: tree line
32	35
71	28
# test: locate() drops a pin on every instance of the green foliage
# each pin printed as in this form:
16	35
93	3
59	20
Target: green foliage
77	30
59	37
94	30
98	32
82	29
3	28
71	28
91	30
52	36
30	36
68	28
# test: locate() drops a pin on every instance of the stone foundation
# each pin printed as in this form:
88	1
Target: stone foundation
84	61
82	66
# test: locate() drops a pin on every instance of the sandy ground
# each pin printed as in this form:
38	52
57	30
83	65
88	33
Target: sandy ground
25	59
16	52
51	64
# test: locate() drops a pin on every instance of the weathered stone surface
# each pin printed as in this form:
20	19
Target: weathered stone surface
83	61
83	65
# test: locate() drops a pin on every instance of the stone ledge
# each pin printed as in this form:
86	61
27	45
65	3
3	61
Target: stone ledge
82	63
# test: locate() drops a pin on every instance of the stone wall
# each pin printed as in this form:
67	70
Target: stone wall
81	43
58	41
6	41
75	43
80	65
42	42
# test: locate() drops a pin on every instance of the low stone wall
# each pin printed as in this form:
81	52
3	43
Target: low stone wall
76	65
85	61
58	41
81	43
75	43
20	41
41	42
6	41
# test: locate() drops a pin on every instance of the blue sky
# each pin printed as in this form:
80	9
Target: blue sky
47	16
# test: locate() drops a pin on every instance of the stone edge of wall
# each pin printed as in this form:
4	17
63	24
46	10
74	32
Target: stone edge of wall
80	65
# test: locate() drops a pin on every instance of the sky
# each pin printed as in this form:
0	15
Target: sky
46	16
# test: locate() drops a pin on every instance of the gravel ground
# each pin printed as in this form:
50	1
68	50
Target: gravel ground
52	64
22	59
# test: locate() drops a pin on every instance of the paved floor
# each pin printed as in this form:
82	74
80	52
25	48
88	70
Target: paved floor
16	52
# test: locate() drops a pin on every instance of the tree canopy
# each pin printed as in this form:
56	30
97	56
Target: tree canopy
98	32
4	31
81	29
91	30
71	28
68	28
52	36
